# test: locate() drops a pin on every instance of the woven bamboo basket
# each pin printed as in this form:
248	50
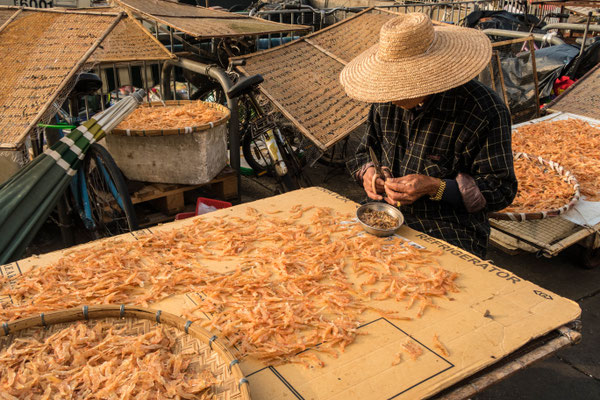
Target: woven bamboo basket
559	170
180	131
209	351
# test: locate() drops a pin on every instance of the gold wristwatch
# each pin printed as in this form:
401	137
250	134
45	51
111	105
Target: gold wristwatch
440	192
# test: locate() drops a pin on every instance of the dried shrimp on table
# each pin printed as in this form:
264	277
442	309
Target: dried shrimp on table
296	279
573	143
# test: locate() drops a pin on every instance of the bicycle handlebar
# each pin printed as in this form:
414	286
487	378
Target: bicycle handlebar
244	85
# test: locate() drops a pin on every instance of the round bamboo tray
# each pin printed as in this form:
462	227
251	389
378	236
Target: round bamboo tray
566	175
180	131
210	352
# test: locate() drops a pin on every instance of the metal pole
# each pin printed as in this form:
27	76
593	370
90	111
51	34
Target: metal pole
130	73
116	78
171	39
101	88
146	83
220	76
87	108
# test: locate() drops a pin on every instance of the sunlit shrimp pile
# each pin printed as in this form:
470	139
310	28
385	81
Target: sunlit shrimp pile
294	282
171	117
100	362
572	143
539	189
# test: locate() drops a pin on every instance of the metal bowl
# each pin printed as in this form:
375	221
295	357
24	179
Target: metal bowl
391	210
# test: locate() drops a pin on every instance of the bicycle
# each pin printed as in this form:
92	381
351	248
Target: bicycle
265	148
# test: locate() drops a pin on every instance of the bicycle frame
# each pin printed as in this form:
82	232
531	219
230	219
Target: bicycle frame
272	138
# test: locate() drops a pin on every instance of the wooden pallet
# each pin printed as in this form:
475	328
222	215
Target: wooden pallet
169	198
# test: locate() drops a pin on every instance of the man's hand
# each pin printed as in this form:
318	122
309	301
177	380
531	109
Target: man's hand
379	183
410	188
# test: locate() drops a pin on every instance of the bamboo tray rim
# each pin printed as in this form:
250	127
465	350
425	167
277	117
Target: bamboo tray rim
86	313
178	131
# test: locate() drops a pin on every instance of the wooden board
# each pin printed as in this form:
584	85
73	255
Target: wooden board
494	314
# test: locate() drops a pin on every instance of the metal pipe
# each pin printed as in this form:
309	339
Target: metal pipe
220	76
538	37
571	27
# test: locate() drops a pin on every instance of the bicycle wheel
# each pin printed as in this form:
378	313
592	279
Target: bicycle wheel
255	153
109	201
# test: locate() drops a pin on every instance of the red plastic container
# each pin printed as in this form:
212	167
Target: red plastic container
218	204
184	215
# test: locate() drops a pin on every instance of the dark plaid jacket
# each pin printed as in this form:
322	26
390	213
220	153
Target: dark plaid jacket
466	129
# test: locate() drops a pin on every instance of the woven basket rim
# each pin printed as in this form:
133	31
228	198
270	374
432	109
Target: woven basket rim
561	172
179	131
95	312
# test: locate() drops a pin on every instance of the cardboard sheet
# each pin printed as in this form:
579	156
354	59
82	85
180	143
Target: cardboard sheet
494	314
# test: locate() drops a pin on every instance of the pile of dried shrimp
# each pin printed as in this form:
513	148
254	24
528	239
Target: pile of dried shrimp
572	143
171	117
100	362
540	189
379	219
295	279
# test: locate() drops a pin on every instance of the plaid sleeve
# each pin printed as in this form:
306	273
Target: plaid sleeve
371	138
493	165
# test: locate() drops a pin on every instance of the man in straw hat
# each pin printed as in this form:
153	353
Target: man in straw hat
442	137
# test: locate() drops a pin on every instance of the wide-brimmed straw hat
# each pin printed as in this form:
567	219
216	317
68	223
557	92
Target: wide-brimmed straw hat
415	58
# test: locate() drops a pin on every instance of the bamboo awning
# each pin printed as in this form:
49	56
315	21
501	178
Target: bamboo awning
41	51
302	77
130	41
204	23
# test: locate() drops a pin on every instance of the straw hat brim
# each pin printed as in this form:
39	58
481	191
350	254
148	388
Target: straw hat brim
456	56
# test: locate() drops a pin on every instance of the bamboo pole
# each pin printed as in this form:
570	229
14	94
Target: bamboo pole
535	76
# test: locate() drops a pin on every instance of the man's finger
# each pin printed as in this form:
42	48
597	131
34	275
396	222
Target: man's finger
380	184
396	186
394	196
374	196
390	201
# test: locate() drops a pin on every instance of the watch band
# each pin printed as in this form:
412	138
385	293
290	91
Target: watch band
440	192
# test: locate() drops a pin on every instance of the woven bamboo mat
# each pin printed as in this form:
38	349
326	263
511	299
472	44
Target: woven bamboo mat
353	37
40	51
305	85
6	13
202	22
130	41
204	356
582	98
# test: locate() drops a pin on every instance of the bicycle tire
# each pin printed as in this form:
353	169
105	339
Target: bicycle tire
109	219
251	151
